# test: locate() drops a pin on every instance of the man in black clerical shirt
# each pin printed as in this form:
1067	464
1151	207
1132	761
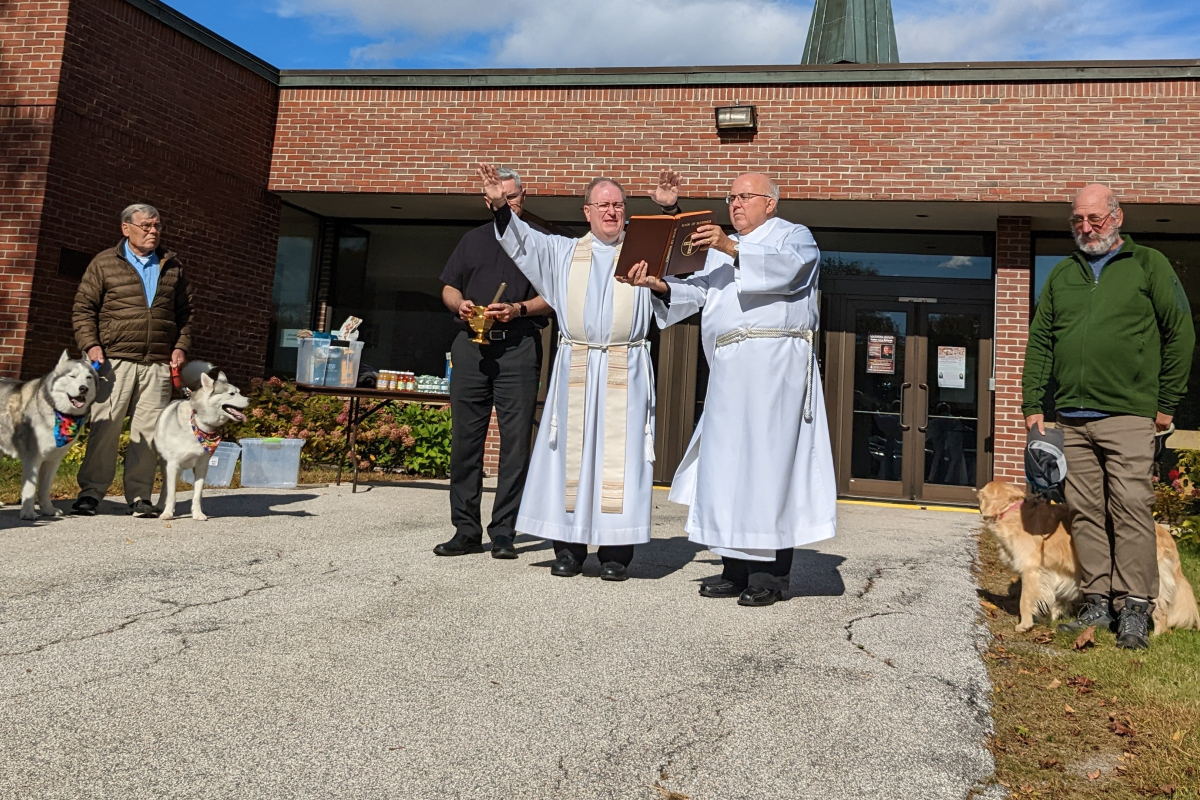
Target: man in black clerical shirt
504	373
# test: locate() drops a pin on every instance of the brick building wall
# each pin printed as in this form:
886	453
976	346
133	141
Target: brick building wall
964	142
1014	258
147	114
31	41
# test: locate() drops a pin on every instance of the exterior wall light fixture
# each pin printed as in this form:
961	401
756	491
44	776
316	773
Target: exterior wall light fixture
736	118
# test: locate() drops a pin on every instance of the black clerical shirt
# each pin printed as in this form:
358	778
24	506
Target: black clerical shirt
479	265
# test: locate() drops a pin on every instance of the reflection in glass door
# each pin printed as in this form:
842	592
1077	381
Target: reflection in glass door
951	392
909	398
880	339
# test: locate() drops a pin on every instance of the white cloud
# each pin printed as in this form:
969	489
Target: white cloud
1062	30
568	33
559	33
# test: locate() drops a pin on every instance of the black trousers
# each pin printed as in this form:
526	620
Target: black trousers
503	374
620	553
742	572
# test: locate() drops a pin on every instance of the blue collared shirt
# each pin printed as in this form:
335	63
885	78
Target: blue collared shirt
147	268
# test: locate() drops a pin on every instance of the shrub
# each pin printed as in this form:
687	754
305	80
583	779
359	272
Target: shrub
405	438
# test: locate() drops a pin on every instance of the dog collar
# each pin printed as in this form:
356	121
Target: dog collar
1011	508
66	428
207	439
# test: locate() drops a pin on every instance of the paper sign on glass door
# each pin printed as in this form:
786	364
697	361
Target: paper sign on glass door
881	354
952	367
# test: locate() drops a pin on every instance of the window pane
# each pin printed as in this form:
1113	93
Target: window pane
292	296
908	255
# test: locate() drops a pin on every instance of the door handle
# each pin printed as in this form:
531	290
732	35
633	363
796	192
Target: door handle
904	387
925	388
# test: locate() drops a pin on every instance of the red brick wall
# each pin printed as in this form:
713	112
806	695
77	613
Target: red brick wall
31	41
491	448
962	142
146	114
1014	258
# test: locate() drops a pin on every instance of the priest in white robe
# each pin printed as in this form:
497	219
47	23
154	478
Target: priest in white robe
590	476
758	474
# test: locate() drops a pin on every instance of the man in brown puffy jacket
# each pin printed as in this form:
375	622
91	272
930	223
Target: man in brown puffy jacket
132	316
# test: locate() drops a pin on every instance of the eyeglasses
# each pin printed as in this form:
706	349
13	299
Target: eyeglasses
607	206
1092	220
513	196
743	196
149	226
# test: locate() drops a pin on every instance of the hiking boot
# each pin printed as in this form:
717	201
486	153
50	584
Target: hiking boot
1133	628
1096	611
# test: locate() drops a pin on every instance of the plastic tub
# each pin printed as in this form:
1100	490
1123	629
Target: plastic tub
220	466
271	463
328	362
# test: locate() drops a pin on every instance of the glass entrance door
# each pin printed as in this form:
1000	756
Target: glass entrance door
909	398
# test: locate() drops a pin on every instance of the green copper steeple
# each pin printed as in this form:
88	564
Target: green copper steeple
851	31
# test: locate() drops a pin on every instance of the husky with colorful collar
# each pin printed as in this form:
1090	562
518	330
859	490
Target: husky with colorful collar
188	433
39	419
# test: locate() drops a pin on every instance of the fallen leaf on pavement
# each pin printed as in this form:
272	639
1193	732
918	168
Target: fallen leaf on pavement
1093	775
1086	639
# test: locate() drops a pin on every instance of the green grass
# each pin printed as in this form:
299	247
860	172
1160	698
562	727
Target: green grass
1097	723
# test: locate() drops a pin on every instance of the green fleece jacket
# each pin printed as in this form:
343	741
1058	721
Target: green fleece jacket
1122	344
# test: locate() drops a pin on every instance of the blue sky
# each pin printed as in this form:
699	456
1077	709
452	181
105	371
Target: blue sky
457	34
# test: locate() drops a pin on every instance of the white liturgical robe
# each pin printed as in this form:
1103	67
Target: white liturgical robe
758	473
595	381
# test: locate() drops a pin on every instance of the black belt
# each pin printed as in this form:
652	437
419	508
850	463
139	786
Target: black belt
509	334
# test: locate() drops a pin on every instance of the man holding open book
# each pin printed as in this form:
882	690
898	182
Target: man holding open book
758	474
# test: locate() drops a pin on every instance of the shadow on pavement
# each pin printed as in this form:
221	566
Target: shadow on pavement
247	505
657	558
816	575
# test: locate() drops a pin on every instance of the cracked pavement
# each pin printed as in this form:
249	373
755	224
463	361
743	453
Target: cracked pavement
307	644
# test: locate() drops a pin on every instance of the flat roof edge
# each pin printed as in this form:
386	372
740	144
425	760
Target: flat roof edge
986	72
213	41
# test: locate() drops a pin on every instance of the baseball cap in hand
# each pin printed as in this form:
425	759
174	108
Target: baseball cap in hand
1045	463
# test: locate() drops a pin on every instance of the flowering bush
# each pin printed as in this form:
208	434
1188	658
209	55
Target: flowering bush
1177	495
405	438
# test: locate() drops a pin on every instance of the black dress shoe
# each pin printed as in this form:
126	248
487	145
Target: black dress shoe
721	588
502	547
613	571
565	566
759	596
458	546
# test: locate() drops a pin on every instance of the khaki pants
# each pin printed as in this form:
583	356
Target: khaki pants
1110	492
126	388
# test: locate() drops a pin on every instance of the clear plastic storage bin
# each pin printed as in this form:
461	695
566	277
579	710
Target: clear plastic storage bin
328	362
220	466
271	463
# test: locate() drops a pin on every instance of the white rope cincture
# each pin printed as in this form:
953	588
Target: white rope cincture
742	334
564	340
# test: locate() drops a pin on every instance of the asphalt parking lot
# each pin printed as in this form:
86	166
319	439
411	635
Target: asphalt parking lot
307	644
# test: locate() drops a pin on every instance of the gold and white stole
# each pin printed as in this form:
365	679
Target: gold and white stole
616	387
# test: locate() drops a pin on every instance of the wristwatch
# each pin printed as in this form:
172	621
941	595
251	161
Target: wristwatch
523	309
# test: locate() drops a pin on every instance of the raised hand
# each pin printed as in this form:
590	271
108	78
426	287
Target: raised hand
493	188
637	277
666	194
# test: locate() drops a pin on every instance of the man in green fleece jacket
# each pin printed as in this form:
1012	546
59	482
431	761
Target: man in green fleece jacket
1114	329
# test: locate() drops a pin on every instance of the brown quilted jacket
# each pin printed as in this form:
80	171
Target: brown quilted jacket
111	310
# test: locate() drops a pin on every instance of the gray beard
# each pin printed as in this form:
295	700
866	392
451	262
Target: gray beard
1097	247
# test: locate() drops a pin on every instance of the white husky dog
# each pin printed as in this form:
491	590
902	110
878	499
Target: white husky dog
188	433
39	419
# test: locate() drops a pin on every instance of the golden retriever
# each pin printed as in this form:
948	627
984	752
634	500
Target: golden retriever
1035	538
